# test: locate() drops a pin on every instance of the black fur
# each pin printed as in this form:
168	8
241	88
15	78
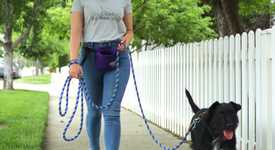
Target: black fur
194	107
209	133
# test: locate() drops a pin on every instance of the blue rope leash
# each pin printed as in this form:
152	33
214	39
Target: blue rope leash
80	92
82	89
79	96
157	141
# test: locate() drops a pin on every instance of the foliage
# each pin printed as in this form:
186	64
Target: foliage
58	29
256	13
49	23
24	13
253	14
50	40
250	7
162	22
18	18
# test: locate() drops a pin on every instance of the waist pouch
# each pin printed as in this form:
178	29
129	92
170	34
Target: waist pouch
106	54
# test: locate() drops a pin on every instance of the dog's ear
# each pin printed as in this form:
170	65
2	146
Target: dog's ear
213	107
236	106
211	110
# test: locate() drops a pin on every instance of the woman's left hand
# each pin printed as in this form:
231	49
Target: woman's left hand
125	41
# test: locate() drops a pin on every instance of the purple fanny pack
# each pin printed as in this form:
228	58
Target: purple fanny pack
106	58
106	54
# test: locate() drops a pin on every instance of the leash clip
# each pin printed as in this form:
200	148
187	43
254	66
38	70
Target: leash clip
195	123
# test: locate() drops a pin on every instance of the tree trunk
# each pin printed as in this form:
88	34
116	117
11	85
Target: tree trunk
7	44
226	13
37	66
8	57
231	14
222	25
41	69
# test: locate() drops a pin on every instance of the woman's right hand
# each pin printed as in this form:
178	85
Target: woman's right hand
76	71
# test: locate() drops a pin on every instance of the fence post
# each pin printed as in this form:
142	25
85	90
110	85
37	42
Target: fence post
259	88
273	86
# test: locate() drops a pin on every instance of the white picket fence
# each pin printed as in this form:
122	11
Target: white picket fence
237	68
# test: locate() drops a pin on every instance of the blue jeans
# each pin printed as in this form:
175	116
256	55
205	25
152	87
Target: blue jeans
100	87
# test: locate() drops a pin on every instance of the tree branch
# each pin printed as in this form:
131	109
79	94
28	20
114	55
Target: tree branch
141	5
138	49
21	38
156	46
1	43
24	34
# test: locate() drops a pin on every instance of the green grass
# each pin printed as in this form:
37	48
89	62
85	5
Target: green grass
25	115
41	79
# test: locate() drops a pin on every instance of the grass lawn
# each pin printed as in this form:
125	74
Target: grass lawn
41	79
23	117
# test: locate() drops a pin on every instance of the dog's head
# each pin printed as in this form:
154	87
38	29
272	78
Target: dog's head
223	120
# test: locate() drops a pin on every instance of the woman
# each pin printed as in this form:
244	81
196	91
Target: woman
100	22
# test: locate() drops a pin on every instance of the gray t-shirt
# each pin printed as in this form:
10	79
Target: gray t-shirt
102	18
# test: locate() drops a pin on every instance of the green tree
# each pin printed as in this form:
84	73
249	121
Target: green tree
165	22
236	16
17	19
256	14
49	40
59	30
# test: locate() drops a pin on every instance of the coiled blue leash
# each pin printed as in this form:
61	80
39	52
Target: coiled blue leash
83	90
79	95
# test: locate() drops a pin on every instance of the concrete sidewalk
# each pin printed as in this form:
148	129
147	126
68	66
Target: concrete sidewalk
27	86
134	135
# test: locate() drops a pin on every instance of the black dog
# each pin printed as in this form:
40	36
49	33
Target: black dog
216	127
